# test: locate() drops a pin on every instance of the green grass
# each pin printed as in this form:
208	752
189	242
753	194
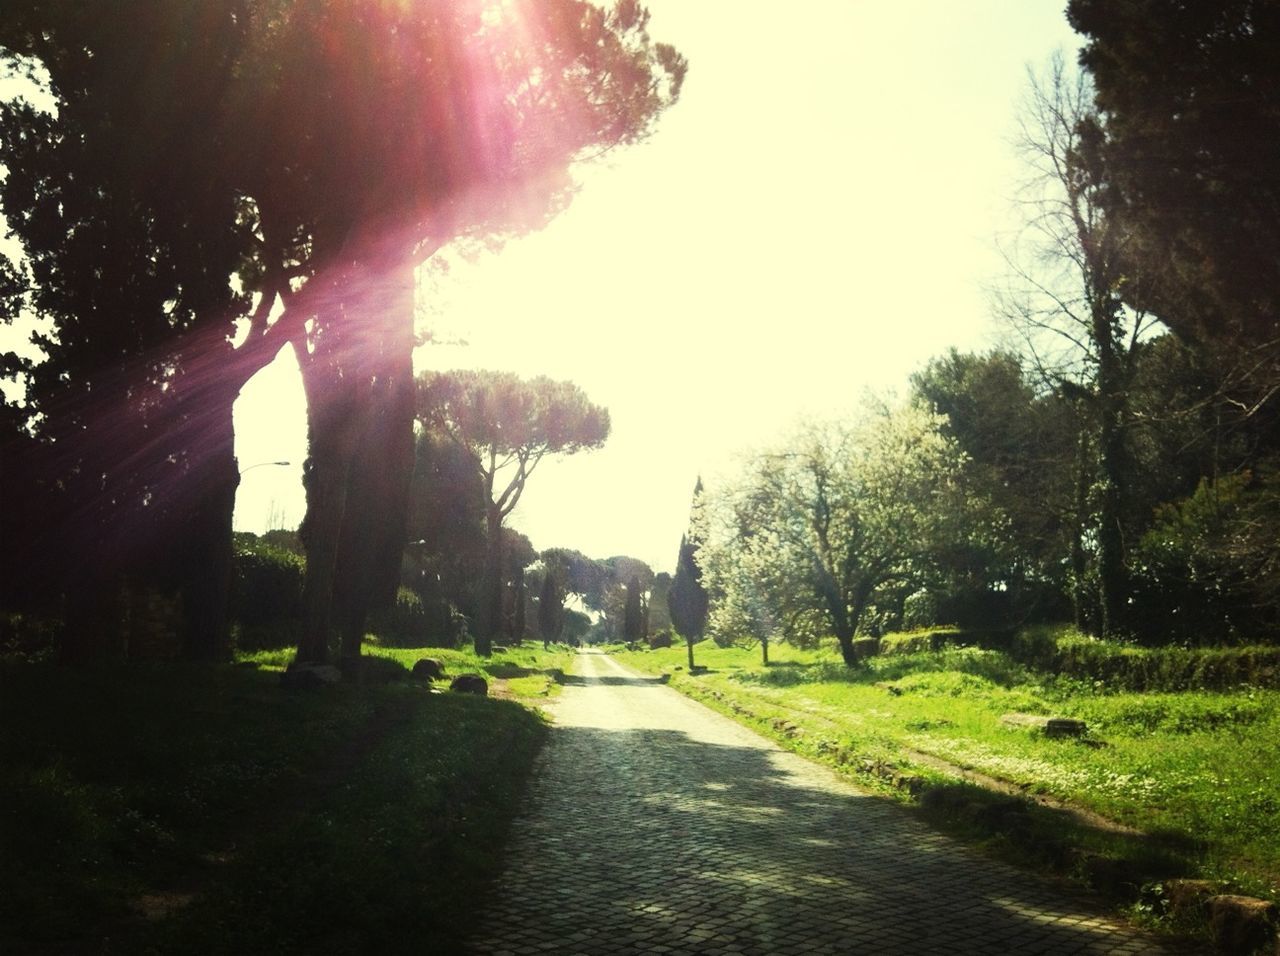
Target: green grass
528	672
245	818
1200	771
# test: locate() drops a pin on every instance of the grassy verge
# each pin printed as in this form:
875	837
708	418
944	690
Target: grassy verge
175	808
1197	773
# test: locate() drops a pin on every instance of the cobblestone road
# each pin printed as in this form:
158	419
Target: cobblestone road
658	826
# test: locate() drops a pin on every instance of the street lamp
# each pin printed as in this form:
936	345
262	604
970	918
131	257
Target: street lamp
263	464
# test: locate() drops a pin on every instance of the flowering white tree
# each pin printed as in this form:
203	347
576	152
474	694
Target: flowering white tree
815	530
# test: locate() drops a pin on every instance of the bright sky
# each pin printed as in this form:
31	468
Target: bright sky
816	217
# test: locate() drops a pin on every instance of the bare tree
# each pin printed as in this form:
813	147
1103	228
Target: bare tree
1063	301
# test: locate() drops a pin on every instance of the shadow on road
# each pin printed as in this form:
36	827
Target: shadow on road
573	680
679	837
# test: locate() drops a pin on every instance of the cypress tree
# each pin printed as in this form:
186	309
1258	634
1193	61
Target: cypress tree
687	600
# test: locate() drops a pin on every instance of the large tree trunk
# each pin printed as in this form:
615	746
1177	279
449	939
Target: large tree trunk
206	591
325	481
489	606
336	408
204	512
375	518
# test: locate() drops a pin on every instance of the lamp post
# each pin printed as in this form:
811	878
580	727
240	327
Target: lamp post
263	464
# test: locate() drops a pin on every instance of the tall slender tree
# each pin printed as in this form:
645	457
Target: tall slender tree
687	600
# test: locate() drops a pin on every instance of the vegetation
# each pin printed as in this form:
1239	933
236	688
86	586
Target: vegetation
178	226
508	425
1193	767
1115	461
839	518
175	808
688	601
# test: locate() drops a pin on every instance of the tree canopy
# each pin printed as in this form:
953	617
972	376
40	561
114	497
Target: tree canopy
1189	97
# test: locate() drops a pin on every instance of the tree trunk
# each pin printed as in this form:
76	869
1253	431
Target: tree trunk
326	484
845	637
689	641
371	545
489	607
764	650
518	617
206	591
1079	562
843	621
204	509
1111	576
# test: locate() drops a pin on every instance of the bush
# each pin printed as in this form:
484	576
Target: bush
29	637
918	642
661	639
919	610
1115	666
413	622
266	597
404	623
1204	572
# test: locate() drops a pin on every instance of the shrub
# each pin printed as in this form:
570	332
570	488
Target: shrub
918	642
414	622
661	639
30	637
919	610
404	623
1116	666
1205	571
266	597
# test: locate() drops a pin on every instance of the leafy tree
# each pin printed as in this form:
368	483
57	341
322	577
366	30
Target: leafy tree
1189	99
687	601
509	425
576	627
518	553
1020	447
836	518
659	614
600	82
1189	95
130	243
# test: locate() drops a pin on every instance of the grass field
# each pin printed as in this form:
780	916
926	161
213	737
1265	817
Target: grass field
1199	772
175	809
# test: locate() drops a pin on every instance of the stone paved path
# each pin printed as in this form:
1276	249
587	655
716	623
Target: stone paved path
659	826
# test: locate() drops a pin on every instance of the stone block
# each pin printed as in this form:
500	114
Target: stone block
470	684
1050	726
1241	925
